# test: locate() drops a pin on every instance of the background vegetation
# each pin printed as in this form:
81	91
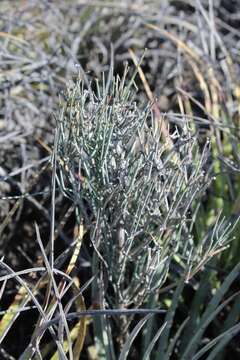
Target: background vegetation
119	183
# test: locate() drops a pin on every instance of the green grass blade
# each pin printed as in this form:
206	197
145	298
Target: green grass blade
164	340
193	344
223	340
199	298
153	342
175	339
132	336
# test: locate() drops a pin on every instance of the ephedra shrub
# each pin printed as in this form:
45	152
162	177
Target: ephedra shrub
136	194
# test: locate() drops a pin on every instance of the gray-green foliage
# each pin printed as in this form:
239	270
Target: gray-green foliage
138	190
136	194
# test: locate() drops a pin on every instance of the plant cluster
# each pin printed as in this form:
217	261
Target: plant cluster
115	229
